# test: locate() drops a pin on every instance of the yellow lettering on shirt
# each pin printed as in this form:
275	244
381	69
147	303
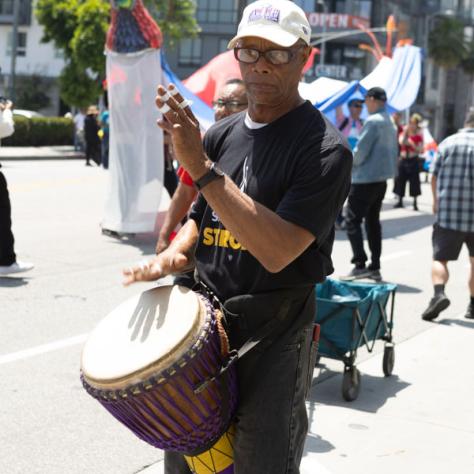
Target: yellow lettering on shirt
220	238
208	238
233	243
224	238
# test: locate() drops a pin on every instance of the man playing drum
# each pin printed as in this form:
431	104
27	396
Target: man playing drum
272	182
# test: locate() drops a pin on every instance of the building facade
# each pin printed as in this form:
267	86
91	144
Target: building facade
442	98
219	20
34	59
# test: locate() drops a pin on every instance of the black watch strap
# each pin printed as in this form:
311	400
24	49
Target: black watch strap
214	173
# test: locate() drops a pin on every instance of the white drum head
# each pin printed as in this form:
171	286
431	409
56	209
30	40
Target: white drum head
152	329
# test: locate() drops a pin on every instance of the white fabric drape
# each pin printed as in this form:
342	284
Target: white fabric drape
136	143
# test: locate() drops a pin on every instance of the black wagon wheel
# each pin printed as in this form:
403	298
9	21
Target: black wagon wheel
388	359
350	383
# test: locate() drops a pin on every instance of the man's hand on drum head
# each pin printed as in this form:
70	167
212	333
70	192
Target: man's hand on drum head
183	127
167	263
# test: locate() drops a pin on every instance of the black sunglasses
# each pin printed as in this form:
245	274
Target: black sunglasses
277	57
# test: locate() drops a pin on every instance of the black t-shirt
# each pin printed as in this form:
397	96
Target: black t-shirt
298	166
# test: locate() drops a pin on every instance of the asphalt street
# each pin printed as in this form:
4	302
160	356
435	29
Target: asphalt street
48	422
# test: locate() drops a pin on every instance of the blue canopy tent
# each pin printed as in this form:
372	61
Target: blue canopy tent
400	76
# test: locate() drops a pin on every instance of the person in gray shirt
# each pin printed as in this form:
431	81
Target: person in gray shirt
375	161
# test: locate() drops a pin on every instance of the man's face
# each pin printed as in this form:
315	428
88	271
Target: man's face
267	83
231	99
372	105
355	109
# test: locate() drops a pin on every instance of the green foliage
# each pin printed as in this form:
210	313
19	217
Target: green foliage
467	64
77	87
78	27
446	45
41	131
59	19
31	92
176	18
88	41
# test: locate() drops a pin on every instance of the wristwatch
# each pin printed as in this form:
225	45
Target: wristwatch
214	173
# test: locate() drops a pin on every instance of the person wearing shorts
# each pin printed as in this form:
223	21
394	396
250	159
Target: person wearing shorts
452	185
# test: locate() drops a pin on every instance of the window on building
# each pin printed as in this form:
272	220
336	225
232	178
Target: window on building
223	42
20	45
362	8
217	11
190	52
6	7
340	6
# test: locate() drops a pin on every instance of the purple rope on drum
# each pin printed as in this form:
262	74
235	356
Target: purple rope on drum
166	410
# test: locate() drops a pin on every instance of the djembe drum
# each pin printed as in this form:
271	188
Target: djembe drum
155	363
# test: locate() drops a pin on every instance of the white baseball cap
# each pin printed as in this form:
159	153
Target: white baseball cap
280	21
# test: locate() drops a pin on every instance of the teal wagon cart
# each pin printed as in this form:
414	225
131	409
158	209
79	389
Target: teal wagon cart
352	315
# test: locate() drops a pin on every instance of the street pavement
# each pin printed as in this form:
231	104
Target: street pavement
419	420
39	153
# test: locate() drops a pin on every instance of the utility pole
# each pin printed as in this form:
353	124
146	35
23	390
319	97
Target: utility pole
322	52
16	11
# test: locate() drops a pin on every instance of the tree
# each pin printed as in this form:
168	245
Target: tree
77	87
447	48
176	18
32	92
78	27
446	45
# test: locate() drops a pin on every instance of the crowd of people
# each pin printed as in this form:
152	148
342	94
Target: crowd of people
271	177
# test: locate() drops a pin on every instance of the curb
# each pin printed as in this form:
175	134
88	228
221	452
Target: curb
40	153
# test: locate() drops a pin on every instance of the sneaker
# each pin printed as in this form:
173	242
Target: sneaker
470	312
356	274
16	267
437	304
375	275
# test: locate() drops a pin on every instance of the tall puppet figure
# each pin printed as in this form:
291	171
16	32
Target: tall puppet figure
136	143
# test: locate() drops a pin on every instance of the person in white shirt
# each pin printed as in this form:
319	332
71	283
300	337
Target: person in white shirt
8	261
79	144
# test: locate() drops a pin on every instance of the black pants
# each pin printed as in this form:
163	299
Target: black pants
7	254
364	204
105	150
271	421
408	171
93	152
170	178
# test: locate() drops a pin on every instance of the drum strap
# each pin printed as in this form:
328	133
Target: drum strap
268	333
